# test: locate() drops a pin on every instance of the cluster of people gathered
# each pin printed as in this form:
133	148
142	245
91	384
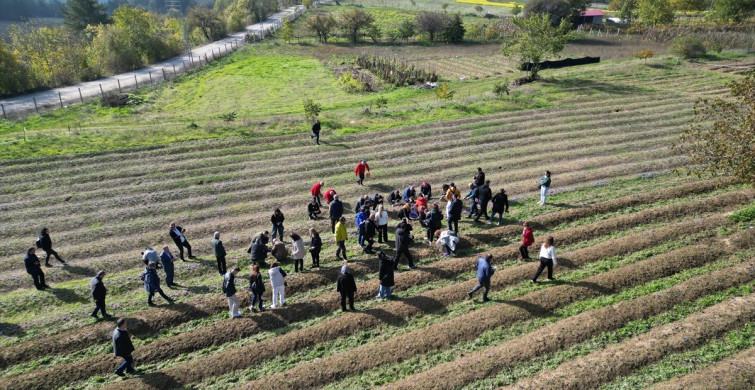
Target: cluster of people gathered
372	216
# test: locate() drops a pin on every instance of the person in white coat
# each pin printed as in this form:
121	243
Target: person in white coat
547	259
297	251
278	283
381	218
447	241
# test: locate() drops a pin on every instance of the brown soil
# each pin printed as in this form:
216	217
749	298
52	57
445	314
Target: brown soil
736	372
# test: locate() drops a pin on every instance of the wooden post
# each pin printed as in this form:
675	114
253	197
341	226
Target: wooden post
119	85
60	99
4	115
164	78
81	97
205	58
102	93
136	82
174	70
150	77
35	105
24	133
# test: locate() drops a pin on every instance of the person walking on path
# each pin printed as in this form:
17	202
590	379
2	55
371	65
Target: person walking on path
452	191
426	189
527	240
315	246
297	252
544	186
368	229
229	288
45	243
360	217
479	178
472	196
313	210
258	248
167	259
97	287
277	220
447	241
330	195
484	273
434	222
278	283
381	218
177	234
336	212
453	213
340	236
347	287
123	348
152	284
403	240
219	249
500	205
316	192
361	170
316	131
385	274
484	194
257	287
33	268
547	259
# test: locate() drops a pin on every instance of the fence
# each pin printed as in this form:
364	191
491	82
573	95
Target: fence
20	106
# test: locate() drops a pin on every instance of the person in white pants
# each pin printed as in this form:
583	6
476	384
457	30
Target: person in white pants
229	288
278	282
544	186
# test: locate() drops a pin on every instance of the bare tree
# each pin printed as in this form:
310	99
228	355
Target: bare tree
431	23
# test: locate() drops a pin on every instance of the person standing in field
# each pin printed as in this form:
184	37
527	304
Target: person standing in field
385	274
45	242
484	194
152	284
484	273
361	170
381	218
297	252
330	195
454	209
360	217
229	288
336	212
97	287
340	236
528	238
177	234
277	220
313	209
434	222
547	259
472	196
219	249
123	348
316	131
257	287
500	205
316	192
544	186
452	191
403	240
278	283
315	246
33	268
426	190
346	286
166	259
479	178
367	229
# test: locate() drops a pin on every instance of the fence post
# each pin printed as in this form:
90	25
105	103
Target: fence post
60	99
24	133
136	82
35	105
226	48
3	107
119	85
164	78
205	58
81	97
102	92
150	77
174	70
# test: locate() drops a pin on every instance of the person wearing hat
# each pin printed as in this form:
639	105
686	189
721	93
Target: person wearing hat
98	294
347	287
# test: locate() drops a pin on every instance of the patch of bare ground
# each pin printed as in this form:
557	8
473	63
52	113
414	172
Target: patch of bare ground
734	373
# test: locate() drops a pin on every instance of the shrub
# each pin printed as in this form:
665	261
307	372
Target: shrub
644	54
444	92
687	47
501	89
228	116
311	109
381	102
350	84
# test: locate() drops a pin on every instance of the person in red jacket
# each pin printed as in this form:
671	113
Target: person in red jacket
362	169
316	194
527	239
421	203
329	194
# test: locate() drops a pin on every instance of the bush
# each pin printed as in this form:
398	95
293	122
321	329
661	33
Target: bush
444	92
311	109
228	116
501	89
687	47
350	84
644	54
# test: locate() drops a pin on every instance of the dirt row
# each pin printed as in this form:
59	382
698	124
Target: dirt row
488	362
470	326
734	373
615	360
151	320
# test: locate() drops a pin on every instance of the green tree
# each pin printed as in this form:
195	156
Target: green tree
536	39
627	9
690	5
311	109
734	11
431	23
78	14
687	47
557	10
406	30
321	24
14	77
478	8
655	12
308	3
353	21
454	30
720	138
516	10
287	32
208	21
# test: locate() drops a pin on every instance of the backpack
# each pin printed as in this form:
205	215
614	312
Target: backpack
38	242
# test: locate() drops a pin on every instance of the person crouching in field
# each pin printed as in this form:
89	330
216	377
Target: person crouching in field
527	240
313	209
547	259
297	252
278	283
122	347
229	288
257	287
330	196
346	286
484	273
447	241
33	268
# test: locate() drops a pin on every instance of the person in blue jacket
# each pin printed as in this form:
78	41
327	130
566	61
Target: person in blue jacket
152	284
484	272
358	219
167	259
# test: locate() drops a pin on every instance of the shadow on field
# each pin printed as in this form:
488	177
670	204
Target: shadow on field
159	380
7	329
385	317
594	42
594	85
565	206
426	304
67	295
345	146
591	286
78	270
198	289
535	310
381	188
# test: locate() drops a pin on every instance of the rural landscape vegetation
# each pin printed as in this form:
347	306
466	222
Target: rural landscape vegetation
652	206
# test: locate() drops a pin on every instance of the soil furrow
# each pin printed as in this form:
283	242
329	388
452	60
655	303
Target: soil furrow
735	372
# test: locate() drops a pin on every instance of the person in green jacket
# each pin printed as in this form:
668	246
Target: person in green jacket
545	184
341	235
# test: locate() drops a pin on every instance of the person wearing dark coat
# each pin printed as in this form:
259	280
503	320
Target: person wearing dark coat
479	178
394	198
454	214
376	200
315	246
403	239
336	212
98	294
177	234
316	131
484	194
277	220
426	190
219	249
313	209
472	196
258	252
434	222
385	274
229	289
122	347
257	287
347	287
33	268
152	284
45	243
368	229
484	273
167	259
500	205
